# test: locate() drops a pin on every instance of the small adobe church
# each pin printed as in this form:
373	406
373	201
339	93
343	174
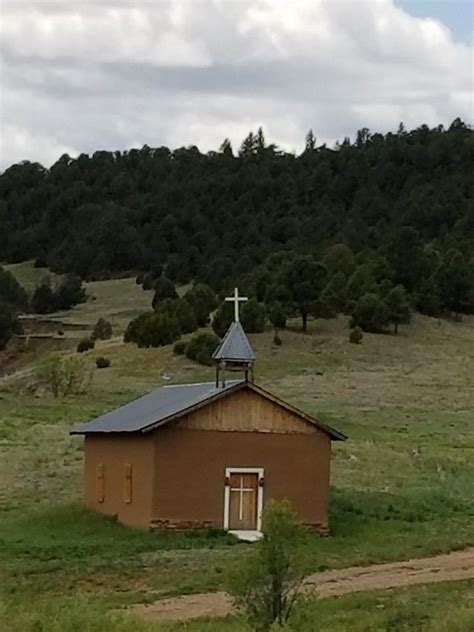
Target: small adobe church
194	456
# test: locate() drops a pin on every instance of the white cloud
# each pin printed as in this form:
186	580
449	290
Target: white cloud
83	75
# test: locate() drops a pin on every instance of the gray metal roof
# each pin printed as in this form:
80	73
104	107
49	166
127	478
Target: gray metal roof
235	346
156	408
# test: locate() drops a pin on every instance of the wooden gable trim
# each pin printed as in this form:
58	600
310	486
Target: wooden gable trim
191	409
332	432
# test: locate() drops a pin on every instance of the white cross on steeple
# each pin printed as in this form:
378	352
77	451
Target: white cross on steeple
236	299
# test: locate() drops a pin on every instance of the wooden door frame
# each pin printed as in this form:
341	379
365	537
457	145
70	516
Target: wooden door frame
243	470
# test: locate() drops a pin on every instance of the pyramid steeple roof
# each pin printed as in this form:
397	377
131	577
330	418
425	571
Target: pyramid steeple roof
235	346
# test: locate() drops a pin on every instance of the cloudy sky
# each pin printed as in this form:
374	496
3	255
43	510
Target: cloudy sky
77	76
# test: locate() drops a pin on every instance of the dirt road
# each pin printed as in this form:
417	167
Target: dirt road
453	566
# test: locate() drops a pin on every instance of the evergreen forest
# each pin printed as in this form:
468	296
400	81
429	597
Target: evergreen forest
373	227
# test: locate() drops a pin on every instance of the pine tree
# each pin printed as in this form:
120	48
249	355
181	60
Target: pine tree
398	306
310	141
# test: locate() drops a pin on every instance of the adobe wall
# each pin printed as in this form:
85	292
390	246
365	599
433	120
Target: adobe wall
114	452
190	473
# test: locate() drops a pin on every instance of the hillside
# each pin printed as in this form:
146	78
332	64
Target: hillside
215	217
404	474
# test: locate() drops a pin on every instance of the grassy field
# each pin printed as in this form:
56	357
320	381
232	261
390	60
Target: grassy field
439	608
402	483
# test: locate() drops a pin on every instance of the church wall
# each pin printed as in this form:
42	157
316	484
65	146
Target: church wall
119	476
190	473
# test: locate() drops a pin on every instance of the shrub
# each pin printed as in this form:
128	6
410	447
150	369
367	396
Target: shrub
181	310
43	300
68	293
265	584
356	335
201	347
139	278
180	347
63	376
102	330
222	318
102	363
164	288
85	345
203	301
152	329
148	281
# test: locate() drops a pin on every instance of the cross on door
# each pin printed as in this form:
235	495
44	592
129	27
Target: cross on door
242	490
236	299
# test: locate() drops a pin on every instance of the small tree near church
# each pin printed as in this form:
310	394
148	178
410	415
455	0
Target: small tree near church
265	586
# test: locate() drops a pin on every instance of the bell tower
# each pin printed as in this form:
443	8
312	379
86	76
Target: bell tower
235	352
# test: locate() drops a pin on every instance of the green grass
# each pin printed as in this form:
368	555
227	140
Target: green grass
436	608
391	395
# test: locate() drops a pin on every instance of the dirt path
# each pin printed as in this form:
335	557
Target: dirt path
453	566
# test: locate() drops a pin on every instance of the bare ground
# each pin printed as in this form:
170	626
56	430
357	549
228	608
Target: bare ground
450	567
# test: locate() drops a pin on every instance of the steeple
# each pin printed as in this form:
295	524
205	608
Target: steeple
235	352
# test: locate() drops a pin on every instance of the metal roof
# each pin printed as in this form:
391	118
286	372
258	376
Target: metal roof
235	346
171	402
156	408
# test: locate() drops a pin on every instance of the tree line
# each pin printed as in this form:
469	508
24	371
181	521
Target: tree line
215	217
374	228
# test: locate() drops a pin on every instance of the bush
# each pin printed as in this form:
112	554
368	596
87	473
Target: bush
102	363
68	293
85	345
265	584
180	347
203	301
181	310
356	335
201	347
223	318
63	376
152	329
164	288
102	330
148	281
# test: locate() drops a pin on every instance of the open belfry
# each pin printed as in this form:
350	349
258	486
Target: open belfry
194	456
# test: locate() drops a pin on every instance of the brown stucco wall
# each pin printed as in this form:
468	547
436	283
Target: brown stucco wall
190	471
114	451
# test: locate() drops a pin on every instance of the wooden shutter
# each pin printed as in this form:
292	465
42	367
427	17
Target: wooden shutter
100	483
127	483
